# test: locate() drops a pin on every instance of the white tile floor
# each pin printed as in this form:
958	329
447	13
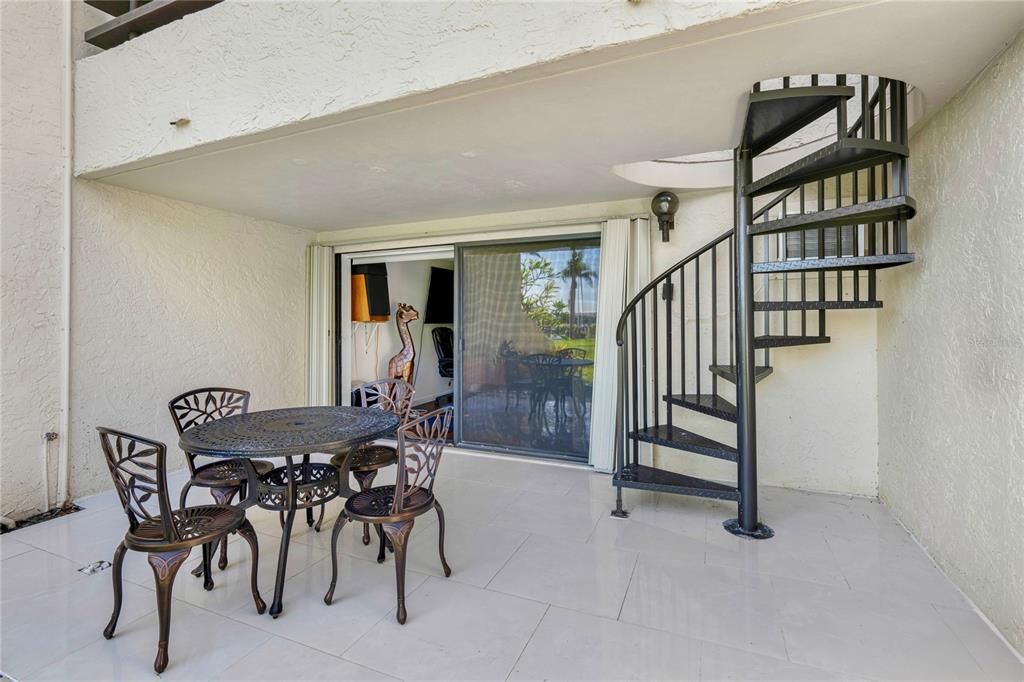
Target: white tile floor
545	585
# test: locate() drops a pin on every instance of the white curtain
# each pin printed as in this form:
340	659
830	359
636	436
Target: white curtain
625	268
320	325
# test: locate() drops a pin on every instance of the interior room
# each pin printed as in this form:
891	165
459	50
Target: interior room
516	359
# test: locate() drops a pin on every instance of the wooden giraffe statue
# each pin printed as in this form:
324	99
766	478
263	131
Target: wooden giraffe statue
401	365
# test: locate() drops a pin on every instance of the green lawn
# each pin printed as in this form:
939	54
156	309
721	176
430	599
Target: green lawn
585	344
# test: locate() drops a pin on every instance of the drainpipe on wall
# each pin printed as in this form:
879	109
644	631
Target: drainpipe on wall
67	132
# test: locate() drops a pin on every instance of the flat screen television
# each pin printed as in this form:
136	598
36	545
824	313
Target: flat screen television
440	297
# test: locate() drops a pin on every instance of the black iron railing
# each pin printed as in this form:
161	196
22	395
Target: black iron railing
670	333
808	238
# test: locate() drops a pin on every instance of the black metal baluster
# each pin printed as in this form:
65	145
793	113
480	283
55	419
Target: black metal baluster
883	86
645	408
904	166
696	315
655	374
732	345
667	295
866	122
633	381
682	340
803	256
767	284
856	239
714	316
785	275
821	254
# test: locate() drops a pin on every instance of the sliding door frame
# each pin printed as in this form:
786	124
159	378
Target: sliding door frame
460	341
529	232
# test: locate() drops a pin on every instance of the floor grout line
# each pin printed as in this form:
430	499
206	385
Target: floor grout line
528	640
510	557
629	583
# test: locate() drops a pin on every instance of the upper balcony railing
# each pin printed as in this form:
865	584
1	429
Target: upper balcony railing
134	17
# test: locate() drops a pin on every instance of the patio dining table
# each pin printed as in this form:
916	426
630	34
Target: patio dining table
289	433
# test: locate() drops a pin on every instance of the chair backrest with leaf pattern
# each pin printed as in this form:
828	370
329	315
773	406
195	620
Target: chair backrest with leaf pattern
393	395
202	405
421	443
139	468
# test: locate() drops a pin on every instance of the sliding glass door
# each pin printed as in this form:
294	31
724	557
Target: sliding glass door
528	317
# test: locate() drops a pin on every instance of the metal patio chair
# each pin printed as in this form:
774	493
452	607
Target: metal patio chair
421	443
139	469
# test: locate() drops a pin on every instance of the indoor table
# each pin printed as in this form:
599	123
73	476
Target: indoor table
289	433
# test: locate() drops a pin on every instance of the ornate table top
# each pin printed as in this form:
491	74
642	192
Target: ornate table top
556	361
289	431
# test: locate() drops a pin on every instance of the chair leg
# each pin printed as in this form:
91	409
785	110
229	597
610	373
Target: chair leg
223	497
338	525
383	542
208	549
365	481
440	538
320	519
115	572
249	534
398	533
165	566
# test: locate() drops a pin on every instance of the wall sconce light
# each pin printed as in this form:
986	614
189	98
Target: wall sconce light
664	205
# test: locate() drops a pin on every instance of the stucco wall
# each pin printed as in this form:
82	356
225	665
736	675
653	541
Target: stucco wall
250	67
32	248
812	434
168	296
165	295
951	347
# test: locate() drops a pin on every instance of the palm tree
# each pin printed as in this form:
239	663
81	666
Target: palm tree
576	271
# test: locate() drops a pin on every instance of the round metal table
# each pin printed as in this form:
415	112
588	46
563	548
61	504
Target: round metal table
556	361
291	432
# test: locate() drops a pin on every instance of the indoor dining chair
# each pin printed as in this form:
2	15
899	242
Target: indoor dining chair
139	469
421	443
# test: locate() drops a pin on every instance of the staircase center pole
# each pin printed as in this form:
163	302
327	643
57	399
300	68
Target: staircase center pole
746	419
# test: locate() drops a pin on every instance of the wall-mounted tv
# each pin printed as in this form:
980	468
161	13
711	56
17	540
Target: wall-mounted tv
440	297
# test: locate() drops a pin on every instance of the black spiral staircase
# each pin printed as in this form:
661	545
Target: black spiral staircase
808	238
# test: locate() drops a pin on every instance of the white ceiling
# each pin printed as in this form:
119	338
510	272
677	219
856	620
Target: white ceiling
554	140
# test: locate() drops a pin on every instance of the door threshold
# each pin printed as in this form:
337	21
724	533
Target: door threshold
490	454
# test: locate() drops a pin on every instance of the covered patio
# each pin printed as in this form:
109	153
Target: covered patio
544	584
590	254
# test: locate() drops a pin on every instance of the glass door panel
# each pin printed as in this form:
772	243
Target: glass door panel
528	320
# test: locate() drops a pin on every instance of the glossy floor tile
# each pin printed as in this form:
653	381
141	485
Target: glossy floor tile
454	631
569	645
588	578
545	585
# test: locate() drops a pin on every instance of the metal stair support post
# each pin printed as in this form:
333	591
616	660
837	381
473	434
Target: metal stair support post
746	524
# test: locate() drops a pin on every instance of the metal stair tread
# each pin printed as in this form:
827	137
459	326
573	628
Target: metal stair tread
840	263
648	478
681	439
761	306
728	372
780	341
713	405
877	211
842	156
774	115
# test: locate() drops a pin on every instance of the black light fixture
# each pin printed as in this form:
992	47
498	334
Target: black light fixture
664	205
